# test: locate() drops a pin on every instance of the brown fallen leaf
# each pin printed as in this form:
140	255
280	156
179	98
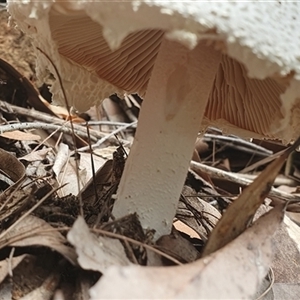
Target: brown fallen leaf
96	253
233	272
47	289
65	170
197	213
33	231
240	213
286	246
11	167
32	95
95	186
37	155
4	265
20	136
178	247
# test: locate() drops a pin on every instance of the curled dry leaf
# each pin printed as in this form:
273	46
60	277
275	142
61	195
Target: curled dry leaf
10	167
177	247
33	231
233	272
240	214
69	177
96	253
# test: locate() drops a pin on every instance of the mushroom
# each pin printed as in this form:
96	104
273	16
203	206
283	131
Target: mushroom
235	65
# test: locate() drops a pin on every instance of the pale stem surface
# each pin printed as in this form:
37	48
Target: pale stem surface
168	125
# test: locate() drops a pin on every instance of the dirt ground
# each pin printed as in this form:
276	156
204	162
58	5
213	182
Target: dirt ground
15	47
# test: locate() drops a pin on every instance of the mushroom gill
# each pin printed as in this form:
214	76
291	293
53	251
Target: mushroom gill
248	107
245	106
80	39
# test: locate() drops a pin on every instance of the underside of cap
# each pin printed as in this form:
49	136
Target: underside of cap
129	67
248	107
100	48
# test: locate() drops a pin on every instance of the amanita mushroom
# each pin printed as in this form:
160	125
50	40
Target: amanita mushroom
235	65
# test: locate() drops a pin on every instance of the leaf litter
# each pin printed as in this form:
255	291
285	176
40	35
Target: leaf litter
70	238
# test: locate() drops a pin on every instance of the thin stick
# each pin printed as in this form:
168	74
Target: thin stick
37	115
44	126
10	258
217	173
100	142
108	123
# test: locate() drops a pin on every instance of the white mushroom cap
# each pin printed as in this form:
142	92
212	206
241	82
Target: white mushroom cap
262	39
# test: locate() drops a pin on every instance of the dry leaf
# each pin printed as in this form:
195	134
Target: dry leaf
11	167
197	213
6	290
287	253
61	158
103	177
240	213
177	247
85	164
20	136
46	290
33	231
4	265
233	272
107	152
69	175
61	112
95	253
37	155
180	226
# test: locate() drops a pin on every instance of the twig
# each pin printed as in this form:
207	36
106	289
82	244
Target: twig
279	180
100	142
10	258
217	173
262	162
108	123
37	115
41	125
238	143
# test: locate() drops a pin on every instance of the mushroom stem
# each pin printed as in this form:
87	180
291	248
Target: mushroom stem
169	121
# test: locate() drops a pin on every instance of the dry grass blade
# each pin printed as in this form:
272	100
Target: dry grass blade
240	213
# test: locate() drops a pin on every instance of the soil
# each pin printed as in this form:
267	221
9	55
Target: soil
15	47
